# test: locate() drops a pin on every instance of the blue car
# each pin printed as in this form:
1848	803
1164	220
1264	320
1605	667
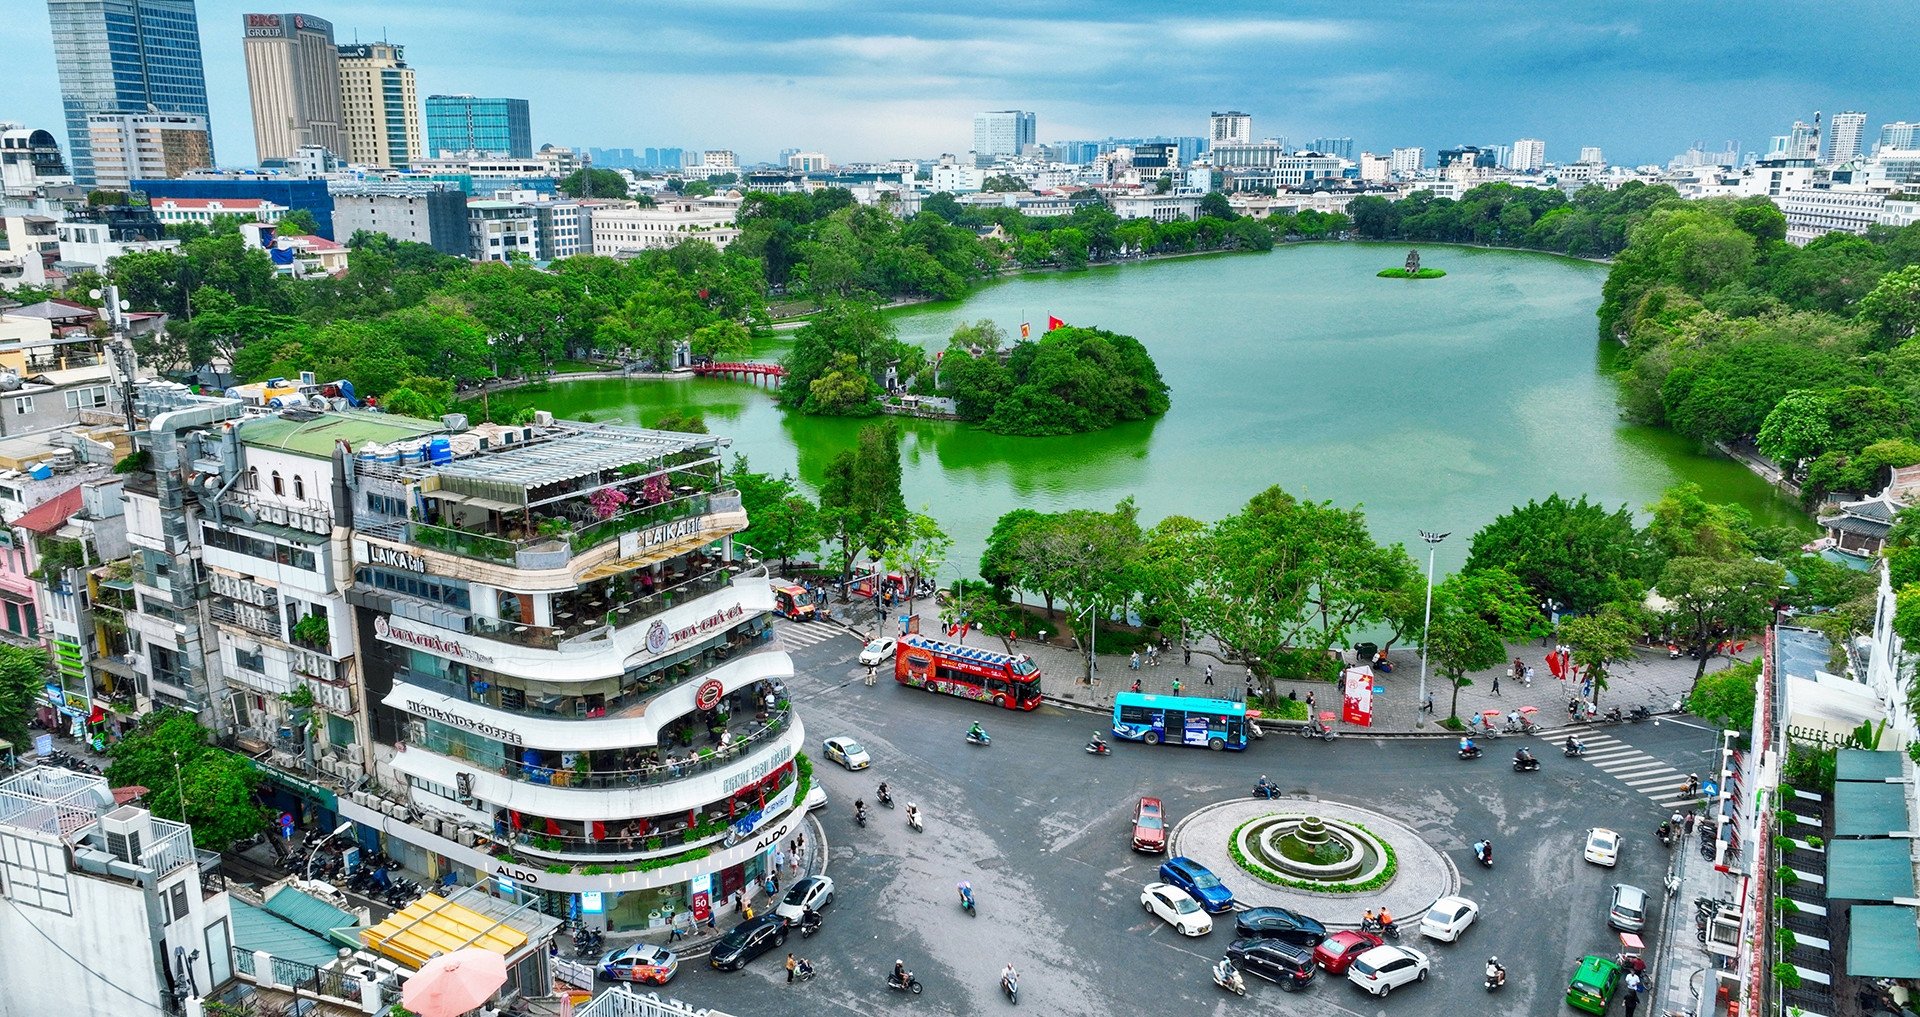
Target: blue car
1199	882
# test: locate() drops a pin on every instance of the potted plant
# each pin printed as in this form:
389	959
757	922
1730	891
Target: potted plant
312	631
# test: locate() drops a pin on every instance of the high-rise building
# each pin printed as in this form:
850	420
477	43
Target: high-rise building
293	78
1469	155
146	146
1407	161
463	123
1230	128
1528	154
1342	147
380	106
1849	135
124	56
1592	156
1900	134
1001	132
1803	140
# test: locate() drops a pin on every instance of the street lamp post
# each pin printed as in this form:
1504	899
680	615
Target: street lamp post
1433	543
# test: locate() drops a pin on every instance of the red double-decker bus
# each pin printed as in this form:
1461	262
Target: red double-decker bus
1009	680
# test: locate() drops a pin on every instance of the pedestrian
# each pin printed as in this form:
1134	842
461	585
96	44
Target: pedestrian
800	844
1135	687
711	926
1153	655
1573	708
1528	680
1209	674
1496	683
1632	1003
1186	654
1309	704
1176	686
1635	984
746	908
1691	818
791	965
1133	663
1427	706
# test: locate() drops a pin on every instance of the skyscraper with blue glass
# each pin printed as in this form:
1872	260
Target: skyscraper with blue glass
462	123
124	56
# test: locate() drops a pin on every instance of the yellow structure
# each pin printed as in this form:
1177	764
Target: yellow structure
432	925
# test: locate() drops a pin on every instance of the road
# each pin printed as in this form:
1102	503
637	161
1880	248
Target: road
1040	828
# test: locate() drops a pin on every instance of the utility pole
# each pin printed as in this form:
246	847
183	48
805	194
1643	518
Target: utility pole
1433	544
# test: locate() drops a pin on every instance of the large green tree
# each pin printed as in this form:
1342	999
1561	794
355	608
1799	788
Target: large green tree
1573	551
23	678
1711	599
1475	615
861	503
782	522
190	779
1599	641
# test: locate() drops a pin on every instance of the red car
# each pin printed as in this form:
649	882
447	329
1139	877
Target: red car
1338	950
1149	827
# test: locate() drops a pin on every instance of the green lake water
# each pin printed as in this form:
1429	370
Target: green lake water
1432	404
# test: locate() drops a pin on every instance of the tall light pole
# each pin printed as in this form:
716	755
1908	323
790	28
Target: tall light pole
1433	543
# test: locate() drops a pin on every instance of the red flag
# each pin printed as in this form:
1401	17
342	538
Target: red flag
1053	323
1026	330
553	828
599	830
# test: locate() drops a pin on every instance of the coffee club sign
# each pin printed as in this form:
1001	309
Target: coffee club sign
389	630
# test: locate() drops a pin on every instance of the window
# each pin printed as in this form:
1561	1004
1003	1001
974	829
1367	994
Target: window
253	661
179	902
92	397
23	406
299	488
279	486
253	478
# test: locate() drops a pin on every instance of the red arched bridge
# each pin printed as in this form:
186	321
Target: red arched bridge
746	370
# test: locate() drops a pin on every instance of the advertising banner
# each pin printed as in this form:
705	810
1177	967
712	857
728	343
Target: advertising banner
1356	699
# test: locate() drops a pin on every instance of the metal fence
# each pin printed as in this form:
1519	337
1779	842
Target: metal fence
624	1002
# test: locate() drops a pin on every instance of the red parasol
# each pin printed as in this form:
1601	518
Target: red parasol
454	983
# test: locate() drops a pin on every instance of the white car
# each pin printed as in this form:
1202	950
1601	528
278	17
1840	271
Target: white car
1383	968
1448	918
816	798
812	893
847	753
877	652
1603	847
1180	911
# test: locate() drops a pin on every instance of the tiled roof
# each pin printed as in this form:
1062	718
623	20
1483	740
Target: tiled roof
51	514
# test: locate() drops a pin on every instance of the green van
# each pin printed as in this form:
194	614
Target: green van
1594	983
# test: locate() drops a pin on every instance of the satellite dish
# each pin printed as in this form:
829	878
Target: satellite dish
95	294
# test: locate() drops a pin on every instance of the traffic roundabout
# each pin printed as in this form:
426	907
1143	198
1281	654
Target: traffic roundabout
1328	859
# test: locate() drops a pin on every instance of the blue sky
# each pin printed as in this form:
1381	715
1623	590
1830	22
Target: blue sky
863	79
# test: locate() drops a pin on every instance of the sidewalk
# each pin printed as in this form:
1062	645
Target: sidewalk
1651	679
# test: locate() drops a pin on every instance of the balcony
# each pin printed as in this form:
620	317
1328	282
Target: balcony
258	620
507	543
653	837
741	740
595	610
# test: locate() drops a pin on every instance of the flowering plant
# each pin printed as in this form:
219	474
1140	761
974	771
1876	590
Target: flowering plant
606	501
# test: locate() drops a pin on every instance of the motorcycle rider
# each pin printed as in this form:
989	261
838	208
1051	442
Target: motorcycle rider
860	810
1098	744
913	815
1574	746
1522	757
976	732
1666	831
1226	974
900	975
1466	745
966	893
1008	976
1265	788
1496	974
1483	850
809	918
1386	919
883	794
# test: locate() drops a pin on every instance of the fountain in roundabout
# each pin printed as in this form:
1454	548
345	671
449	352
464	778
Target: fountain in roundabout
1311	852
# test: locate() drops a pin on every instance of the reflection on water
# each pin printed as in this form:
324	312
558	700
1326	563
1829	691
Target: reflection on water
1433	404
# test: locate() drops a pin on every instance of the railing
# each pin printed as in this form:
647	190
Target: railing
470	545
645	606
170	850
259	620
703	760
622	1001
685	507
296	976
654	843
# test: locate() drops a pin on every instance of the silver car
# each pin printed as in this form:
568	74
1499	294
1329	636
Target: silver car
1628	912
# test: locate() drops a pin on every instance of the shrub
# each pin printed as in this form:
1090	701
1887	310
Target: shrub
1253	867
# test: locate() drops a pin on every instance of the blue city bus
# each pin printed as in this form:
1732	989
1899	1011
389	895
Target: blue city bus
1180	720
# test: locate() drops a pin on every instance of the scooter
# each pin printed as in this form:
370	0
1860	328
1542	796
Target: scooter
860	816
1315	729
809	924
1638	714
1226	976
885	797
1574	751
1483	852
1496	977
1099	748
1010	984
1267	791
908	984
978	739
1471	752
1527	765
914	820
967	904
1388	930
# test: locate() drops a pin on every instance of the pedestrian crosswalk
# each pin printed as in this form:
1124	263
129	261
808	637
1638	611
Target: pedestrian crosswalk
793	636
1663	784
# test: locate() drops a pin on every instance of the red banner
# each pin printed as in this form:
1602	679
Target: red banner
1356	699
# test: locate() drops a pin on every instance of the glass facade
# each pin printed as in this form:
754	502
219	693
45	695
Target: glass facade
462	123
124	56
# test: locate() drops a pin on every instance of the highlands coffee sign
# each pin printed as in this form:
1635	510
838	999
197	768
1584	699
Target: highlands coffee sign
390	630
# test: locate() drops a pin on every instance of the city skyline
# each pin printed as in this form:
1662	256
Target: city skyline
790	77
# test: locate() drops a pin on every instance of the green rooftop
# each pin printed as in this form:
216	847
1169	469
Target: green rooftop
316	437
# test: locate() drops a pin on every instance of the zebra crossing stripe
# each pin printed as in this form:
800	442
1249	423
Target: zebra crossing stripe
1645	784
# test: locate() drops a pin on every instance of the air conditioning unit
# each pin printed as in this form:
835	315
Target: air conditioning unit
354	755
416	731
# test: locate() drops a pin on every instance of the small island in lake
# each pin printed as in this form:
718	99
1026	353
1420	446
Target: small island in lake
1412	271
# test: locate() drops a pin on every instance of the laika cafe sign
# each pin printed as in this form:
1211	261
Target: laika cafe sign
653	536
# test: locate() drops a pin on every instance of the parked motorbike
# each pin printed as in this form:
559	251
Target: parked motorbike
1226	976
1638	714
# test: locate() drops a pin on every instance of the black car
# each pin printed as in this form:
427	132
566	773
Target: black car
1282	963
748	940
1281	924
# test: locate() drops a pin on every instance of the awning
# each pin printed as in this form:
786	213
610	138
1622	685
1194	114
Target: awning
1883	942
476	501
1865	809
1873	870
1860	764
325	797
433	925
656	553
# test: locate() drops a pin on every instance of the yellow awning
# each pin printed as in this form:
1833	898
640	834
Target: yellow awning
431	925
657	553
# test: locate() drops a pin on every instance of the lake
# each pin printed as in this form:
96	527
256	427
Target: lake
1432	404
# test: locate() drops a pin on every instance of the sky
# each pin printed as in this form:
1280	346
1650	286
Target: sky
873	79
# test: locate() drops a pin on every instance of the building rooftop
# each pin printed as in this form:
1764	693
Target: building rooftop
570	451
315	437
51	514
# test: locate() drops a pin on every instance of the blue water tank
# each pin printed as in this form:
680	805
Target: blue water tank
439	451
41	471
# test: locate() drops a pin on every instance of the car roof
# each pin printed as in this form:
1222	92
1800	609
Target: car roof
1452	899
1148	801
1385	952
1168	887
1601	831
1252	944
1595	966
1182	862
1627	891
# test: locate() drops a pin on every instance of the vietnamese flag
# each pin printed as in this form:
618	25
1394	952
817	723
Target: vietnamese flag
599	830
1026	330
1053	323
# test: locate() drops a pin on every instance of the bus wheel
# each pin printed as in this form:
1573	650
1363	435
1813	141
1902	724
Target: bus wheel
930	687
1151	737
1216	744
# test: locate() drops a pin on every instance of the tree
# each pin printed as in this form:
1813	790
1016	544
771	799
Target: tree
1003	182
1892	307
190	779
722	340
1725	699
1166	568
589	182
23	679
860	498
1574	552
1715	599
1475	614
1800	426
1599	641
1214	205
782	522
1287	580
298	222
685	423
1686	524
916	547
428	398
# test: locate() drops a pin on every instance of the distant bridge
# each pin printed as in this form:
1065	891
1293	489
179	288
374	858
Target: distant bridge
746	370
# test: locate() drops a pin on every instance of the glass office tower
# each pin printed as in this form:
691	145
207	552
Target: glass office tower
124	56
